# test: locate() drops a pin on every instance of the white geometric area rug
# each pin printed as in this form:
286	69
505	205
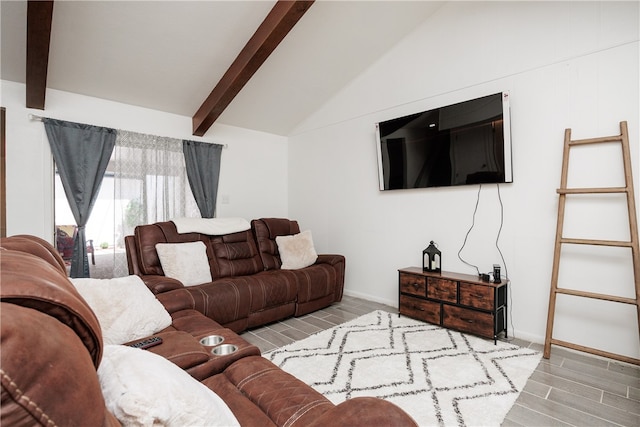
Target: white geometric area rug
438	376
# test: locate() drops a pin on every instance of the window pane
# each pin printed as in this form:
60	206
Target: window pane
145	182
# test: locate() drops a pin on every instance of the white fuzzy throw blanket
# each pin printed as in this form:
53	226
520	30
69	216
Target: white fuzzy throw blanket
211	226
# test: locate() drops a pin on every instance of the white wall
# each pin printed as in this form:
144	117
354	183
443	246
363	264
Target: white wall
253	175
566	65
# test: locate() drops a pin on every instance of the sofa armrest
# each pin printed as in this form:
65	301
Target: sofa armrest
338	262
365	411
159	284
176	300
330	259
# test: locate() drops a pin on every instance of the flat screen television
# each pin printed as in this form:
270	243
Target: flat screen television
460	144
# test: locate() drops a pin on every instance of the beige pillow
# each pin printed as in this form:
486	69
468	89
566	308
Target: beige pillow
296	251
126	309
186	262
144	389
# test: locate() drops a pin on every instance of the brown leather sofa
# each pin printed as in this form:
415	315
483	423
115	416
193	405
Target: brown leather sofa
248	287
52	347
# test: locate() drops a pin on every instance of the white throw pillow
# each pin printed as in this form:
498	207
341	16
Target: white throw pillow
144	389
186	262
126	309
296	251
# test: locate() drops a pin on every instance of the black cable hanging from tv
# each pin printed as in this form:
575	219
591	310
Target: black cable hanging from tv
473	222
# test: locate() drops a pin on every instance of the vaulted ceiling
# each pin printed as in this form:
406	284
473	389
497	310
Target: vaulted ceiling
170	55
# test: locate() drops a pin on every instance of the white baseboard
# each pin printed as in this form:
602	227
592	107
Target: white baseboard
392	303
526	336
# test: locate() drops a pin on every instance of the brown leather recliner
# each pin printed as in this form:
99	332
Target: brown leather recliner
52	345
181	339
313	292
248	287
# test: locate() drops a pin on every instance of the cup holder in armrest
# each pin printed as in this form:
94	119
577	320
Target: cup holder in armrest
211	340
224	349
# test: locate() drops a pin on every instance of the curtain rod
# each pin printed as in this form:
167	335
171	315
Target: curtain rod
39	118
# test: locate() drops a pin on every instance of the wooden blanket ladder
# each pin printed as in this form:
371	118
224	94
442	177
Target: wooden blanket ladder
563	192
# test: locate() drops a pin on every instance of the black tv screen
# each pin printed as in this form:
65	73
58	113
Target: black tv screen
459	144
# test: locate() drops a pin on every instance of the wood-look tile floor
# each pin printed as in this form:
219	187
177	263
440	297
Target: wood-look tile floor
568	389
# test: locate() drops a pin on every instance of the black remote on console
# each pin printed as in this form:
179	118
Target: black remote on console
149	342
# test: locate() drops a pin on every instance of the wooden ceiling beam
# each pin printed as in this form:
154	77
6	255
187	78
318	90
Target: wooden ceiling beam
39	17
280	20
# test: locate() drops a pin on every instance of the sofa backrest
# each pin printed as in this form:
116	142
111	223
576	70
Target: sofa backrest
234	254
32	282
36	246
146	238
266	230
51	347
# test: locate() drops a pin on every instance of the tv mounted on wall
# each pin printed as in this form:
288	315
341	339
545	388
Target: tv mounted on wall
460	144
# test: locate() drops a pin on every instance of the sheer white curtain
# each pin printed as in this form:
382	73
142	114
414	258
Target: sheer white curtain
150	184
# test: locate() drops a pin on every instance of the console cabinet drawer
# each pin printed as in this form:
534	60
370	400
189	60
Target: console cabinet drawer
442	289
412	284
454	300
427	311
477	296
467	320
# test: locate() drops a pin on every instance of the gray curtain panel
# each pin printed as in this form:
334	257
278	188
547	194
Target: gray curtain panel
203	170
81	153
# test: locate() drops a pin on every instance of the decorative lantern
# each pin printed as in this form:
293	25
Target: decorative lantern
431	258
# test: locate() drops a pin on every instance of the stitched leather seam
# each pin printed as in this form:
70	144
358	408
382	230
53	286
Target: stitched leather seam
193	300
185	353
237	295
300	412
205	302
254	376
21	397
228	253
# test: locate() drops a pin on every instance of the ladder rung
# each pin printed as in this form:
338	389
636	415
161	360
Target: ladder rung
596	296
616	138
617	243
596	190
595	351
